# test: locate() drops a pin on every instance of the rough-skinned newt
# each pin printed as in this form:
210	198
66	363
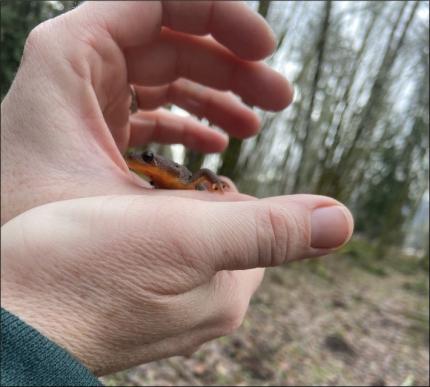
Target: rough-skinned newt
165	173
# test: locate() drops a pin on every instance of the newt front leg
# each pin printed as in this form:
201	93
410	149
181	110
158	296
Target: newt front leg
203	176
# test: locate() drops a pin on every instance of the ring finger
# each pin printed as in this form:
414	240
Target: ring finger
165	127
222	109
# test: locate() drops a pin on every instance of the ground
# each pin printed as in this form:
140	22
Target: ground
340	320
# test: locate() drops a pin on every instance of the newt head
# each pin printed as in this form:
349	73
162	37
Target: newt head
162	172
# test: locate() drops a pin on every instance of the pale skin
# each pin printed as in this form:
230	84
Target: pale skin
115	272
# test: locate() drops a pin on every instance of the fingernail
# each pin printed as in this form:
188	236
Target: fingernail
329	227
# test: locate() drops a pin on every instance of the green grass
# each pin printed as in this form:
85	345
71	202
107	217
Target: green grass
406	264
318	268
419	286
365	255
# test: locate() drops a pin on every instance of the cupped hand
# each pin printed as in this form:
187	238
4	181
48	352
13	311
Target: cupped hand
116	273
66	119
122	280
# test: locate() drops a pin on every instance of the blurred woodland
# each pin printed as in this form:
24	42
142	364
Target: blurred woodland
358	130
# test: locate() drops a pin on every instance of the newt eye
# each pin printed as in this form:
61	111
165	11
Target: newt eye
147	156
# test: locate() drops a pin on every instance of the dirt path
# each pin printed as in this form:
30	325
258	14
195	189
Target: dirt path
314	323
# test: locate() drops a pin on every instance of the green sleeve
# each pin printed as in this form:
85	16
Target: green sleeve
30	359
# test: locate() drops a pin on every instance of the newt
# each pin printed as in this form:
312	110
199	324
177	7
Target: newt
165	173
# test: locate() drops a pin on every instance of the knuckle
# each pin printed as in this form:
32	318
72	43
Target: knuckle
282	234
186	251
37	37
280	231
232	317
273	229
225	282
232	323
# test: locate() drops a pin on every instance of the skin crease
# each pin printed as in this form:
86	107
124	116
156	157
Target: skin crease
117	273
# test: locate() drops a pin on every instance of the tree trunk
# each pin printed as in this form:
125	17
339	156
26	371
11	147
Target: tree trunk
368	116
230	158
263	7
345	99
308	124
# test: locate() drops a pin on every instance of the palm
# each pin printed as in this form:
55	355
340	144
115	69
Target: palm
84	126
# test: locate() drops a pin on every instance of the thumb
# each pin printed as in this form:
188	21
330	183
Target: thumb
208	236
269	232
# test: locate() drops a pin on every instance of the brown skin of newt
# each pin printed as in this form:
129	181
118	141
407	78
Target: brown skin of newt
167	174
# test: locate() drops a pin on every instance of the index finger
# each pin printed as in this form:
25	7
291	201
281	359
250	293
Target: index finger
231	23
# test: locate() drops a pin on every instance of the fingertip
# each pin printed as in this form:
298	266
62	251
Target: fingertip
264	87
268	43
262	47
350	223
284	91
231	186
225	139
215	142
331	227
254	125
252	40
249	125
330	222
289	98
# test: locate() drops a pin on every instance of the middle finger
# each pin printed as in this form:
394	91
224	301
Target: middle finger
164	127
220	108
205	61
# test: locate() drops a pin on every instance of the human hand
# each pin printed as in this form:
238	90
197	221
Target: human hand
65	123
122	280
65	120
